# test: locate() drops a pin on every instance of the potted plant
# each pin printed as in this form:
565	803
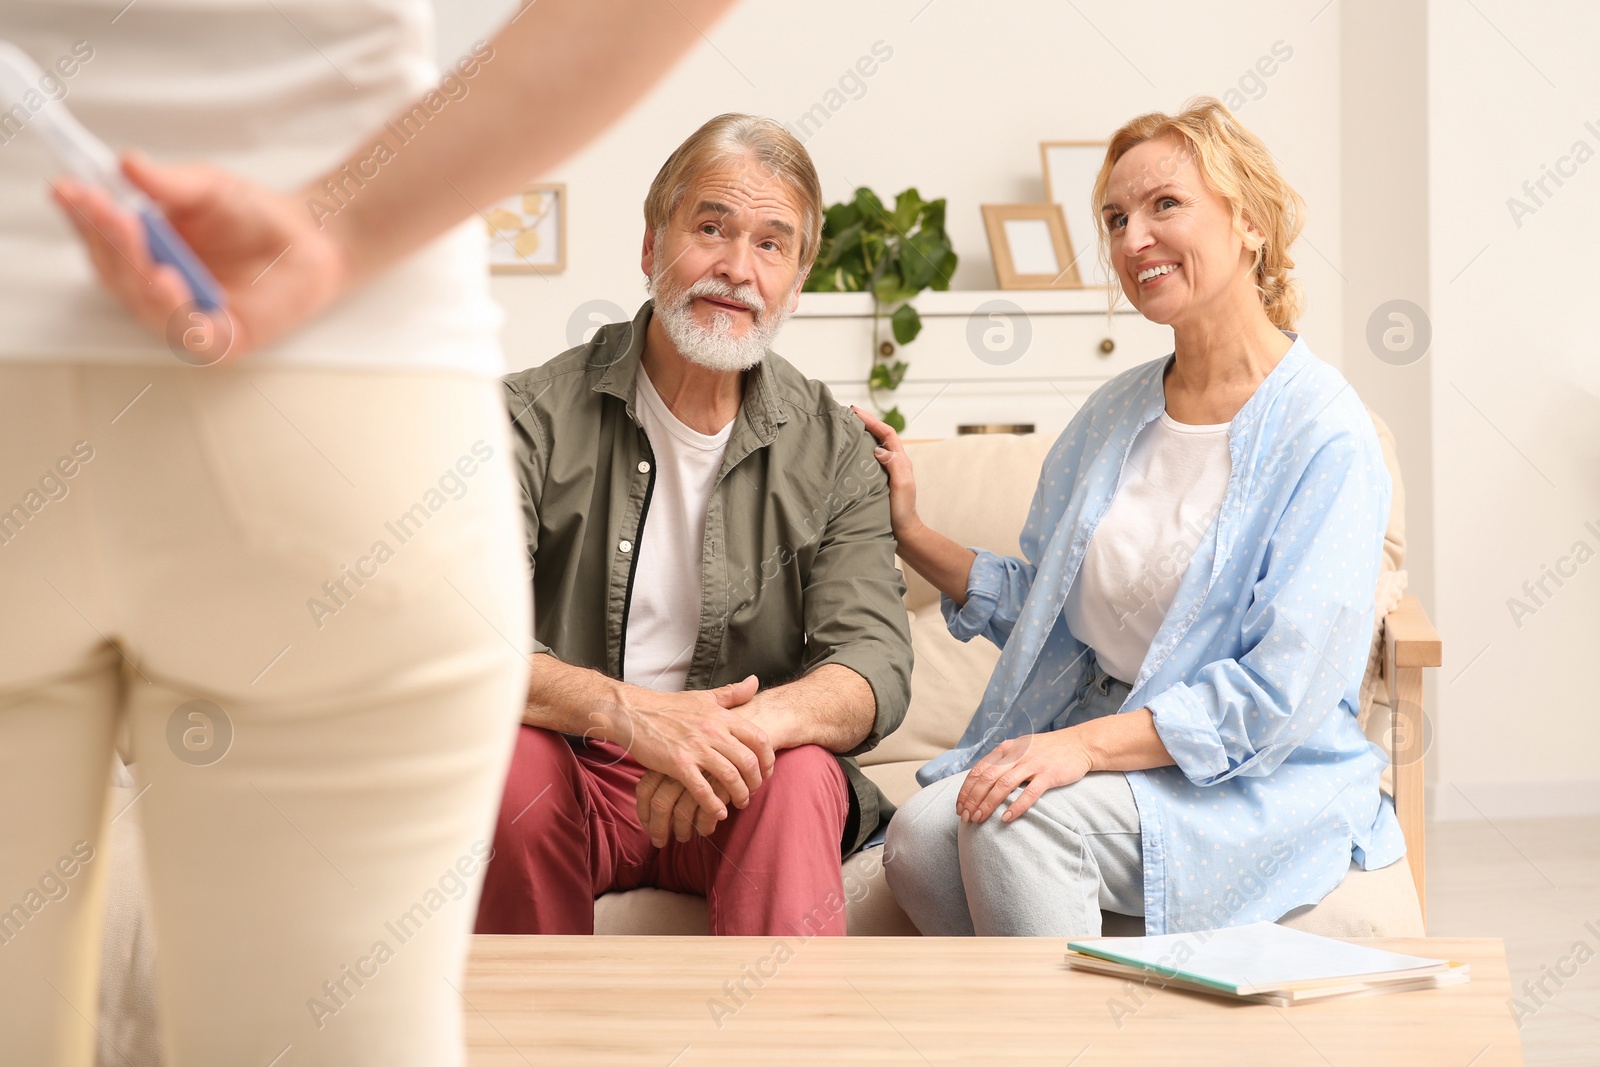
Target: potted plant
893	255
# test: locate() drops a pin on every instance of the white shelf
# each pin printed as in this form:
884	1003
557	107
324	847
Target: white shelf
963	302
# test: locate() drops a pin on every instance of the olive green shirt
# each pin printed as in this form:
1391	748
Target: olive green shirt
798	559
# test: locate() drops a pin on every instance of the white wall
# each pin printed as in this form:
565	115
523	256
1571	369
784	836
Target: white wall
1384	159
958	111
1516	403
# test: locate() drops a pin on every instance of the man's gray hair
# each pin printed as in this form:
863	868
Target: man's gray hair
771	150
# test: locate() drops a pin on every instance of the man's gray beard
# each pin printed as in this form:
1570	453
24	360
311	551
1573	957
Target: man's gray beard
715	347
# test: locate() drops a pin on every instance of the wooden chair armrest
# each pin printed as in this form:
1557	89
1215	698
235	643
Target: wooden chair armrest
1410	637
1410	644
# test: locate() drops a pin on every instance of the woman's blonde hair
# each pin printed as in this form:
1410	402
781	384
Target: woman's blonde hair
1236	166
773	152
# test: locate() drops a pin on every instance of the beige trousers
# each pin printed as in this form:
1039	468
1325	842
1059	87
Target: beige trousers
299	598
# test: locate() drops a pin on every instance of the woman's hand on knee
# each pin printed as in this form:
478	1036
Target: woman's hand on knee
1034	763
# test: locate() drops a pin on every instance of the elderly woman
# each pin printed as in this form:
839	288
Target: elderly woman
1171	728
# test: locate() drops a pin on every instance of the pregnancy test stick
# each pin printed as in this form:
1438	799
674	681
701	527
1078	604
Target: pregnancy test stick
87	158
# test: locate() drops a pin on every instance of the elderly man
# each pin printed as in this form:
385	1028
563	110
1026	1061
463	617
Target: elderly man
719	624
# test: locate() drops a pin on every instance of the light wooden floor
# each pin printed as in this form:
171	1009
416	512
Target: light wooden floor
1535	883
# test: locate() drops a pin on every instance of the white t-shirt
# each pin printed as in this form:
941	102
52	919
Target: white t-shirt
1166	499
664	608
279	91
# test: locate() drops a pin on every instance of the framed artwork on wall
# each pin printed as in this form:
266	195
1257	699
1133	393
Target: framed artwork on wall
1030	246
1070	168
527	231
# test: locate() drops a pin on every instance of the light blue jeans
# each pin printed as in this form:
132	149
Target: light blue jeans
1046	874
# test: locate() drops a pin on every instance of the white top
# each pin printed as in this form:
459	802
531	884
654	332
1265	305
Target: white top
1166	499
278	91
664	608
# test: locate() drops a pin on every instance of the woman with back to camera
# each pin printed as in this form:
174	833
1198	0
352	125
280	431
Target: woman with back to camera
1171	728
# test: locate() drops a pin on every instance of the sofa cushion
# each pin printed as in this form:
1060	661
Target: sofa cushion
977	489
650	911
1394	538
948	678
897	780
870	907
872	910
1380	903
1376	715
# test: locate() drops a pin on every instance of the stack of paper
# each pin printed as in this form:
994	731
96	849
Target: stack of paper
1263	962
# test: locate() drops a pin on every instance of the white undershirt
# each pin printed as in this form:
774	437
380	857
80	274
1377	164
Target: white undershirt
664	608
1166	499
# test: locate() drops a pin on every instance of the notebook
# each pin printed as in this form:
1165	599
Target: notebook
1457	974
1265	959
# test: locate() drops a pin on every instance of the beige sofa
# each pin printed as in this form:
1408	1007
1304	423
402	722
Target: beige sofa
977	490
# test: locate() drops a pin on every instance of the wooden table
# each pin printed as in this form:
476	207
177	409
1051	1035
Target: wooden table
684	1001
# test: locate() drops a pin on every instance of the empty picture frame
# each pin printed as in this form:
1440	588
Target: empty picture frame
527	231
1070	168
1030	247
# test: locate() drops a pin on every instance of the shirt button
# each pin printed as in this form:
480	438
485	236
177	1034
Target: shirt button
644	466
625	546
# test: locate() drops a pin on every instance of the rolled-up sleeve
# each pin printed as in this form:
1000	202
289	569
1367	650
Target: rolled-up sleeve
1305	633
996	588
855	612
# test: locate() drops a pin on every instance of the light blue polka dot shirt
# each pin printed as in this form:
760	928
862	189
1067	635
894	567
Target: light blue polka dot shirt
1253	679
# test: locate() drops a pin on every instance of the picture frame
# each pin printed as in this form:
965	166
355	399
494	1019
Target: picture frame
1030	246
1070	168
527	231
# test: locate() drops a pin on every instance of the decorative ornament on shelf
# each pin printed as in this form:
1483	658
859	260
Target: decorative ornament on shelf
1030	246
893	255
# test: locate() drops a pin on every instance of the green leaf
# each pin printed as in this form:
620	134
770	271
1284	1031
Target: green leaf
873	253
920	258
933	215
840	217
869	206
850	275
843	264
906	208
847	241
907	324
895	419
886	377
941	280
890	289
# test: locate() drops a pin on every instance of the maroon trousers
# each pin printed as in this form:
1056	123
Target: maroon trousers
569	830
